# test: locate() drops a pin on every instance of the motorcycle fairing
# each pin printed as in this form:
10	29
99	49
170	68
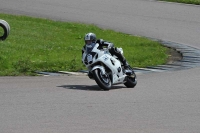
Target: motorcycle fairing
104	57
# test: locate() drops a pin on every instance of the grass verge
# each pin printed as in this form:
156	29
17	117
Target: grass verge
196	2
44	45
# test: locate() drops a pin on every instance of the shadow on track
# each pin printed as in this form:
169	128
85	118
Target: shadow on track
88	88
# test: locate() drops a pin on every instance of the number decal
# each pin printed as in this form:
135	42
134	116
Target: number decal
89	57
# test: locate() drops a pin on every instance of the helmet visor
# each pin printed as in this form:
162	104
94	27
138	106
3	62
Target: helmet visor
88	42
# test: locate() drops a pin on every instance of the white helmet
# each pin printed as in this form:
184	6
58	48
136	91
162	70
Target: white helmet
90	38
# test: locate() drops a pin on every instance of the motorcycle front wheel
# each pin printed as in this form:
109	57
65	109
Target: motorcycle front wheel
103	80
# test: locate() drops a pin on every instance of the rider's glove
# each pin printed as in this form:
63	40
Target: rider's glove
101	41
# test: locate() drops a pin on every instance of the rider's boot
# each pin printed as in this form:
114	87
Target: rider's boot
115	51
127	67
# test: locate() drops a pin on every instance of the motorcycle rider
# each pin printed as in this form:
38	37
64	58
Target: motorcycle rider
90	40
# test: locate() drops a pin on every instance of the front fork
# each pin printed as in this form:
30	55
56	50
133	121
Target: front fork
101	68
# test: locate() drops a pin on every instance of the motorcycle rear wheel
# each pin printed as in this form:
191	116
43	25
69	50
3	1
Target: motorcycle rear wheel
131	81
103	81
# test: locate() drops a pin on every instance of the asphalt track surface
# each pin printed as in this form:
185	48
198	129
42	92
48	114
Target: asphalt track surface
162	102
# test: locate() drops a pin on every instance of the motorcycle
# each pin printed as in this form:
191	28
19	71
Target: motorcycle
106	69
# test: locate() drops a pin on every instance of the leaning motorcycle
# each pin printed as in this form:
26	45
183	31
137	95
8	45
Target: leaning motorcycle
106	69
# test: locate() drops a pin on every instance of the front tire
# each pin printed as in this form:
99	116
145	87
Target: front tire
103	81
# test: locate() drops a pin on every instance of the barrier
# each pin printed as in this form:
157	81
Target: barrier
6	28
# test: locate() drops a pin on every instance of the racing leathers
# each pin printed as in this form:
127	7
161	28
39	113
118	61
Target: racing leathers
113	50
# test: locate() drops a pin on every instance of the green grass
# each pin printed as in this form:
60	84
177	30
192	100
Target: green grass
196	2
1	31
44	45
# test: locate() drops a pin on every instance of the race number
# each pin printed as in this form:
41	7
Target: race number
89	57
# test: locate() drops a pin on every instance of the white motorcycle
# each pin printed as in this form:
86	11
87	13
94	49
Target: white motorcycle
106	69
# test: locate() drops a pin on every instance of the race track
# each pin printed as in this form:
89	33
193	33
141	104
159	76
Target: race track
166	102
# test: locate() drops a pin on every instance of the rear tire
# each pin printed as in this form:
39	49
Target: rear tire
131	81
103	81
